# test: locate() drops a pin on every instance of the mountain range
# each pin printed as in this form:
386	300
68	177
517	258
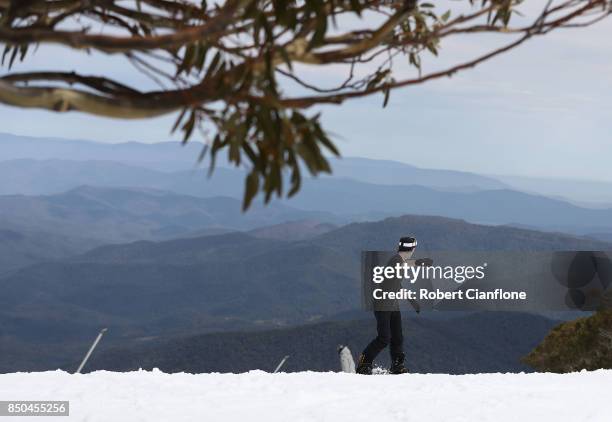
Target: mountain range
41	227
334	199
232	281
137	238
173	157
360	189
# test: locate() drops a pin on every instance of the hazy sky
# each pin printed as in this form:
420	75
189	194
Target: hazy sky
543	109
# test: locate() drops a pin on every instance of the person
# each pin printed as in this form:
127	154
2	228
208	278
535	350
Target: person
389	319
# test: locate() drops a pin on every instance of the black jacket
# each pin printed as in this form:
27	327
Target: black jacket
394	284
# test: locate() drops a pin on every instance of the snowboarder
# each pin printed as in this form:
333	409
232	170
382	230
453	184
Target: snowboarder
389	321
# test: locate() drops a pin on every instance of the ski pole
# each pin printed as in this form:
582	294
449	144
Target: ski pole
282	362
91	349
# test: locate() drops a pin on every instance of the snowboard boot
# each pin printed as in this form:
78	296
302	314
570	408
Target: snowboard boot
364	367
397	365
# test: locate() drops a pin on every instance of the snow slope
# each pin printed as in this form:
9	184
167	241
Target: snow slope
311	396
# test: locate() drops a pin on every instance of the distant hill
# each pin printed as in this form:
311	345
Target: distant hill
35	229
22	248
344	196
440	233
293	230
348	198
232	280
388	172
173	156
594	192
604	237
477	343
161	156
53	176
114	215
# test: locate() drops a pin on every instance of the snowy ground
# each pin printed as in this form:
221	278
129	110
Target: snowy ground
311	396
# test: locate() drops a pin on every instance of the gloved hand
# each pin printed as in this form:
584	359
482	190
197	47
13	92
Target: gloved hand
427	262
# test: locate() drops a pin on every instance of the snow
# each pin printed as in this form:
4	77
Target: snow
312	396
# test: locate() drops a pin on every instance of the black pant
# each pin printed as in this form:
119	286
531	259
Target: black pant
389	327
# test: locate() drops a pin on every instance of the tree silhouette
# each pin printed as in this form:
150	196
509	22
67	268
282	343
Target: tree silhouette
223	65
